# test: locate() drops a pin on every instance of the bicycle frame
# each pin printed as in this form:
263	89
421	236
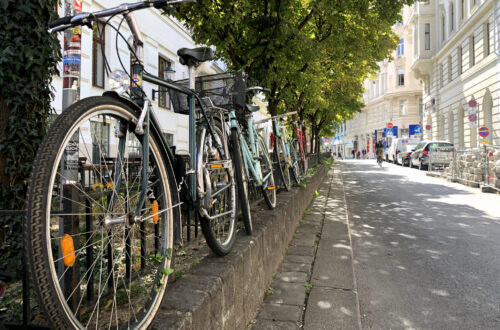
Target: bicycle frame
148	118
249	153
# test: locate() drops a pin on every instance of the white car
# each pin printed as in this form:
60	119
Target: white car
398	145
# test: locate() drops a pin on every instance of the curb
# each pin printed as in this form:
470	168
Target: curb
225	293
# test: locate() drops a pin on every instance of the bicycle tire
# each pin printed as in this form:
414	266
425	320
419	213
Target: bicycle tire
145	293
220	242
241	181
280	156
268	188
295	167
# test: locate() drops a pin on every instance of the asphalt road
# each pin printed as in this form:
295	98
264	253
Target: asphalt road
426	252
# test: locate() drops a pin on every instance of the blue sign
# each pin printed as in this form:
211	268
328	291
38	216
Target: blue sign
394	132
414	129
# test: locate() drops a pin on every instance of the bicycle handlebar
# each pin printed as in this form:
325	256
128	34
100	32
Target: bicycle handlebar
258	88
85	18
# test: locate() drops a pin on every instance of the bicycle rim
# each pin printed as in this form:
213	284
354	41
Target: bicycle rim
219	209
268	186
93	265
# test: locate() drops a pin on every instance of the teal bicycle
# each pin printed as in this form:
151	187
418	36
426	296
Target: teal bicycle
252	162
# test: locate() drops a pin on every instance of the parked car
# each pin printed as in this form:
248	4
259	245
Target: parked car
397	146
403	157
440	152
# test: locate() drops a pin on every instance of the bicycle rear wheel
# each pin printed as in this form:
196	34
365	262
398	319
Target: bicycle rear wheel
94	261
268	187
281	158
295	160
241	181
218	210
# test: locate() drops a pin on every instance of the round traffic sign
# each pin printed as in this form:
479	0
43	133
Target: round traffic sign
428	127
472	103
472	117
390	125
484	131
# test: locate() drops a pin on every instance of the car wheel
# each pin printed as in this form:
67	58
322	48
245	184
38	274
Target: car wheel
421	166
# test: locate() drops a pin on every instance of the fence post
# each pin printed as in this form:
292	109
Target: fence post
487	168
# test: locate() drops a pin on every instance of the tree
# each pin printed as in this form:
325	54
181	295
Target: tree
27	57
313	55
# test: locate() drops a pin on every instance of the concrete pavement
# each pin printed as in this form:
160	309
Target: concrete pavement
315	286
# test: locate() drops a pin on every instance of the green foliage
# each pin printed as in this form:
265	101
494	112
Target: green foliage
308	287
269	291
312	54
27	57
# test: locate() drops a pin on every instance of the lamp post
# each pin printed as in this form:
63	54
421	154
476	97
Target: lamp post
169	72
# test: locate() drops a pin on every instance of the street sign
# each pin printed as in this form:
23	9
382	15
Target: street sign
428	127
390	125
472	103
472	117
483	131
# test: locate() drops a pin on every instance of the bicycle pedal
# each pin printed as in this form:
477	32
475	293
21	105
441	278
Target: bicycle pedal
219	164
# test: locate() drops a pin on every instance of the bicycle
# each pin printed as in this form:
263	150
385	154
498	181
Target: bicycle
100	233
251	157
284	151
299	144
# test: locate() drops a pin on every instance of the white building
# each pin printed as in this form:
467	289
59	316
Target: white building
456	56
393	97
162	38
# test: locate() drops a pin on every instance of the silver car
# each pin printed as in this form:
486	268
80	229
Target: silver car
438	153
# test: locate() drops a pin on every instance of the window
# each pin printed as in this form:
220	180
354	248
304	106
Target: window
462	9
450	67
486	39
163	96
459	60
441	80
97	55
403	107
443	28
427	36
401	47
452	16
401	77
170	138
400	23
472	52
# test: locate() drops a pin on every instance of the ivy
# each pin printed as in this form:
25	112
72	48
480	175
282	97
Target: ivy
28	55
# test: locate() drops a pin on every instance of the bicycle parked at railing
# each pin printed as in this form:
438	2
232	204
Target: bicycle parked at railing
285	155
100	255
299	144
252	161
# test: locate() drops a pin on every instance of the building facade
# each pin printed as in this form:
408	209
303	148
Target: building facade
162	37
393	98
456	56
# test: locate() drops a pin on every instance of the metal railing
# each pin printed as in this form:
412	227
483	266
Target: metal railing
476	167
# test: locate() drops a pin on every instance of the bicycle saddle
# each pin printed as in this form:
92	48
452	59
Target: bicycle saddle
252	107
193	56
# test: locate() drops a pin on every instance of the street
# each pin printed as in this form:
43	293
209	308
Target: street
426	251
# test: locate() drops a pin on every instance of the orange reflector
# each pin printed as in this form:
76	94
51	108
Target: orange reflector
271	188
216	166
68	250
154	206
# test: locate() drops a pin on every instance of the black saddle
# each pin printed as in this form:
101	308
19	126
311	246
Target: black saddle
252	107
193	56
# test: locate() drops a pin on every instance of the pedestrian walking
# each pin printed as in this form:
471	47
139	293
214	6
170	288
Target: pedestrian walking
353	152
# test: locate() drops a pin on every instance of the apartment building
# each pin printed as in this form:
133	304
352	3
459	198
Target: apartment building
456	56
393	97
162	36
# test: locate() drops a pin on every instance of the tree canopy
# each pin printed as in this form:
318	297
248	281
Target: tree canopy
312	54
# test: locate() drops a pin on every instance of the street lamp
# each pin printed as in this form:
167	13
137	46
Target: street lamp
168	72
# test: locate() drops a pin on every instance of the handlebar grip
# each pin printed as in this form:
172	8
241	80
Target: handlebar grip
60	21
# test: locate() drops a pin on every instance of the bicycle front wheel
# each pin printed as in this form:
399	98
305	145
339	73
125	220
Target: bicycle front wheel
281	157
95	261
268	187
218	209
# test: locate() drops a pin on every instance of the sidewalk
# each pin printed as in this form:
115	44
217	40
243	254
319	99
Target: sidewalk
315	287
